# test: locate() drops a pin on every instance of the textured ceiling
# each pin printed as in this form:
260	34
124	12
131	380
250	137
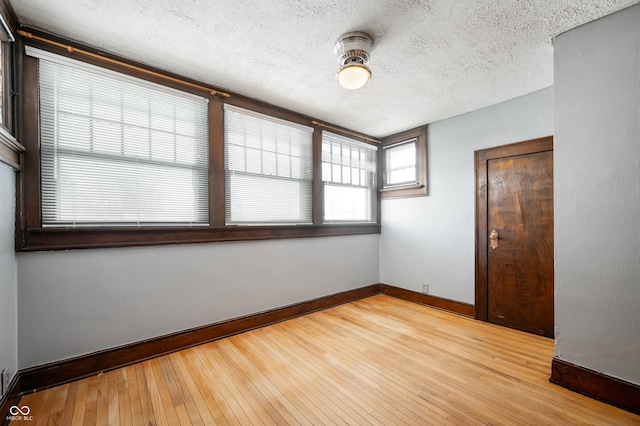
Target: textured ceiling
431	59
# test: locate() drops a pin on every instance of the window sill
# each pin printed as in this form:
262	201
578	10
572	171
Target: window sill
10	149
42	239
404	191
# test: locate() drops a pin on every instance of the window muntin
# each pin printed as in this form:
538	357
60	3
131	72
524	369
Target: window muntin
268	169
116	150
349	179
401	164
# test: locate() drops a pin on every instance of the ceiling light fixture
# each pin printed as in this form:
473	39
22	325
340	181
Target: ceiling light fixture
353	50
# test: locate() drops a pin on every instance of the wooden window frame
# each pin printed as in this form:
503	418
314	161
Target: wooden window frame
417	189
32	236
372	189
7	41
10	148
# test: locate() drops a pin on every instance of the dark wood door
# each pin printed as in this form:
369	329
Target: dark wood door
518	271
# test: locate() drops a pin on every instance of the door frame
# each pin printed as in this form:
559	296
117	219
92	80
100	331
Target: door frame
482	157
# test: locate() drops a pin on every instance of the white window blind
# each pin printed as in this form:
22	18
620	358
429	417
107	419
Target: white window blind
268	169
401	164
349	177
116	150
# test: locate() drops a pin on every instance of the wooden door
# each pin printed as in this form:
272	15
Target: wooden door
514	264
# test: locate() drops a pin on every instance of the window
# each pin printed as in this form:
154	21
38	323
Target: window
404	164
349	179
119	155
268	169
401	166
116	150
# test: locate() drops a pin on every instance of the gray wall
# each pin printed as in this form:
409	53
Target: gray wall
597	184
431	239
8	274
80	301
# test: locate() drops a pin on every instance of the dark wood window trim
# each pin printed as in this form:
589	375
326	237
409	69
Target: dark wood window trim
31	236
419	188
10	149
6	50
38	239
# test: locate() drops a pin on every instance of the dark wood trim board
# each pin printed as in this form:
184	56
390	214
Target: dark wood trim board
10	398
56	373
596	385
602	387
64	371
10	149
429	300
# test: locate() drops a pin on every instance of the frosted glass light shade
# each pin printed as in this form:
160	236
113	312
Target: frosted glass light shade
353	77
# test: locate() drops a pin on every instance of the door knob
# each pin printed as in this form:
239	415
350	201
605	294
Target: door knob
493	239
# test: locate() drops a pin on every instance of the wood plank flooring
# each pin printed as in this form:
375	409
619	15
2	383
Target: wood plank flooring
379	360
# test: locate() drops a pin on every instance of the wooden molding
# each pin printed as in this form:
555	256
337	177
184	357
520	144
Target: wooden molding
590	383
10	398
429	300
317	202
60	372
38	239
10	149
596	385
9	15
56	373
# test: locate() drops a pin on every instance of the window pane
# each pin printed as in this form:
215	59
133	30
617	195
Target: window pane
72	131
274	186
105	137
400	164
269	166
112	192
118	150
402	176
347	203
253	199
337	173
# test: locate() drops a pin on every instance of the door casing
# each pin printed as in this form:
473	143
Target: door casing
481	210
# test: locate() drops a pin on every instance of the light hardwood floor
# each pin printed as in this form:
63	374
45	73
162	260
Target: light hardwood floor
379	360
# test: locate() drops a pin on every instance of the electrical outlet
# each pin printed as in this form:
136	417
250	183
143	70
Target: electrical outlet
425	288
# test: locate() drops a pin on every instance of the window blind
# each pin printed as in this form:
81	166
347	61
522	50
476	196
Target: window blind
116	150
349	177
268	169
